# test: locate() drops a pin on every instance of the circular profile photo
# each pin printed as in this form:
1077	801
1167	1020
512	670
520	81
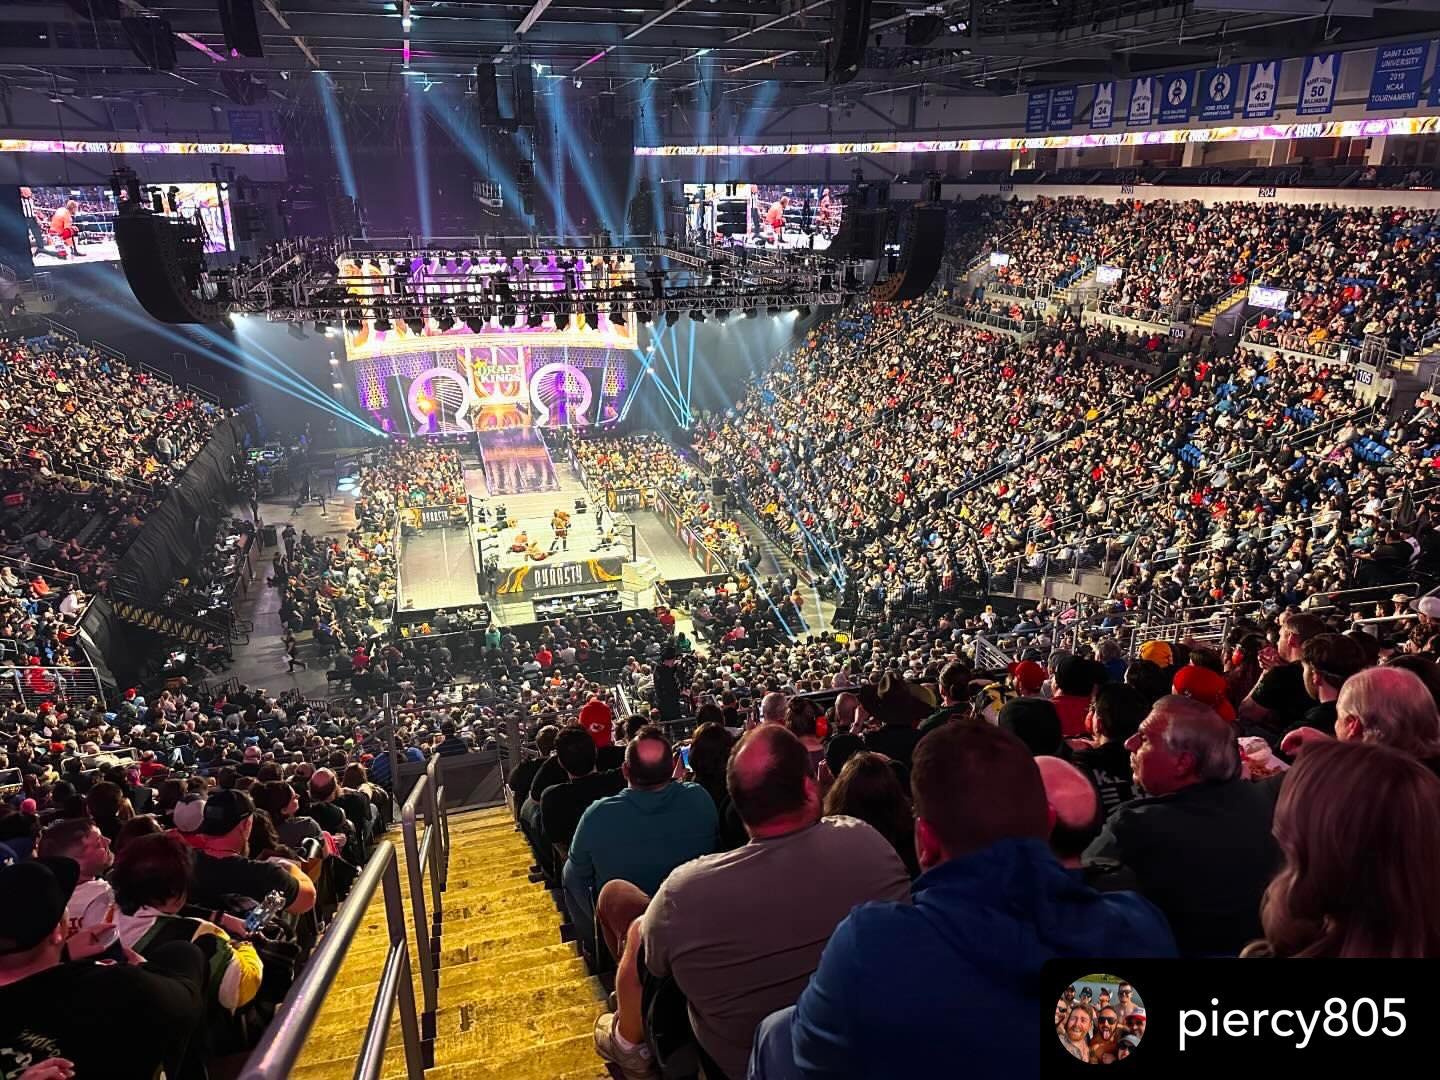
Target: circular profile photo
1100	1019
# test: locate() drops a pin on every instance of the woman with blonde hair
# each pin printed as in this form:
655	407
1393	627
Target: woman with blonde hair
1334	833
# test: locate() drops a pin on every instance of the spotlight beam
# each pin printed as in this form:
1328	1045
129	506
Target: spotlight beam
581	165
336	127
417	153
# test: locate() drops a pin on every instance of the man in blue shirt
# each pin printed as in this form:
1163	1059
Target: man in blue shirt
922	989
640	835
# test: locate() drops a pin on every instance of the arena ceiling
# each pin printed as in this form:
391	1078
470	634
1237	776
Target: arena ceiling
698	52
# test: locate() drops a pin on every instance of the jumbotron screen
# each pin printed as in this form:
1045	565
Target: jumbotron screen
75	224
803	216
461	378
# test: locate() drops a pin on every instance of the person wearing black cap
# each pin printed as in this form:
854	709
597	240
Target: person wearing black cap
59	1009
899	707
222	868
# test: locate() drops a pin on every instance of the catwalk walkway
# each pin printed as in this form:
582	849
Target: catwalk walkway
516	462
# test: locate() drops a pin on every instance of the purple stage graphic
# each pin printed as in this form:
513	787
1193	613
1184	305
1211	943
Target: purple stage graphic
516	462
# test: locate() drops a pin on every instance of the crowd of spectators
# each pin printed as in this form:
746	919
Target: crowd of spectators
1070	804
92	445
159	833
1369	272
840	451
1230	477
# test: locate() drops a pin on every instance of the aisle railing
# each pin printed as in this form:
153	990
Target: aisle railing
279	1049
284	1041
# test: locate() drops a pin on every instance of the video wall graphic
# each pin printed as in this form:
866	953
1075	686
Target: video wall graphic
490	384
445	374
74	224
805	216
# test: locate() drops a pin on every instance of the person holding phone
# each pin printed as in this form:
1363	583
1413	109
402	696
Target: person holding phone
53	999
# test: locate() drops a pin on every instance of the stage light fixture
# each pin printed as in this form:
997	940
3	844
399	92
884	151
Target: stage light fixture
773	311
562	318
752	313
696	315
417	326
804	311
383	324
475	323
353	326
322	327
445	322
534	318
643	316
507	320
617	317
721	314
672	317
592	317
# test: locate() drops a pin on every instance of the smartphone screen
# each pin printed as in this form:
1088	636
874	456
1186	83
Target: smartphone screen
685	756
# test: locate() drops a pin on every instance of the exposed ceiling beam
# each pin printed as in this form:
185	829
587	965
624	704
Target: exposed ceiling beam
276	14
531	17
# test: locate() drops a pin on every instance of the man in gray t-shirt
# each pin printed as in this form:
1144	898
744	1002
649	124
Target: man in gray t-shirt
741	932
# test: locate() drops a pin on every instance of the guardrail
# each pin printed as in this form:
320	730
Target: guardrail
274	1058
432	852
996	321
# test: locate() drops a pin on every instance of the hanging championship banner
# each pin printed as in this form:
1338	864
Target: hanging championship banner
1319	79
1176	90
1399	70
1142	101
1062	108
1102	109
1262	89
1037	111
1215	92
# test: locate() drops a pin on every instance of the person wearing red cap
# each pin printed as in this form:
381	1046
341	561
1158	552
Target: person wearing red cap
1204	685
1026	677
597	718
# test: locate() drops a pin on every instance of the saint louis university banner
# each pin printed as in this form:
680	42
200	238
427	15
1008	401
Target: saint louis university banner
1262	89
1319	79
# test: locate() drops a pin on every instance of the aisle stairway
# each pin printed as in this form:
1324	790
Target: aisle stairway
1206	320
515	1002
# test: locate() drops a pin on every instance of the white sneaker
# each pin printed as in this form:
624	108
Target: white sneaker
635	1062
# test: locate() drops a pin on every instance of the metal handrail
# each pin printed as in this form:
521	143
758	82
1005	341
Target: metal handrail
432	850
275	1056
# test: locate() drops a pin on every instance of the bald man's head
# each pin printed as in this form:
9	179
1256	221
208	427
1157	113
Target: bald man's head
648	762
770	779
1075	803
772	708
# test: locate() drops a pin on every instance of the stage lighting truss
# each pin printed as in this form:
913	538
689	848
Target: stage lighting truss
347	283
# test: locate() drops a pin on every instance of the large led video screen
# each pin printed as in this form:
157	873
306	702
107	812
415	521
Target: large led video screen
805	216
72	225
444	374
